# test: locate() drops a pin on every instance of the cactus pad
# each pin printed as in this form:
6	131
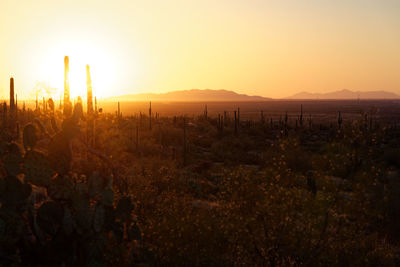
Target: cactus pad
60	188
12	160
95	184
134	232
118	231
98	218
83	211
70	128
50	216
107	197
37	168
14	192
124	208
68	221
60	154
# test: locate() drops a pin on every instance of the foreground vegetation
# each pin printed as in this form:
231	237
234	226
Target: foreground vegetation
103	189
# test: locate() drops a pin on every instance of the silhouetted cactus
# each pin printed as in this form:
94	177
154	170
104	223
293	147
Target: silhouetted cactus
29	136
340	120
262	118
225	118
12	103
119	111
37	168
150	115
184	142
301	116
137	136
50	103
67	102
89	91
236	122
12	160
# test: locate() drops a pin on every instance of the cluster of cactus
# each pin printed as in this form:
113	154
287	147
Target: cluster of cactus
50	216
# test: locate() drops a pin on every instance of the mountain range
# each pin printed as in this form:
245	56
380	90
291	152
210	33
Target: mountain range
192	95
346	94
208	95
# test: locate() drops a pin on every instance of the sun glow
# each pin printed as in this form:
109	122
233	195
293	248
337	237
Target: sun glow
102	69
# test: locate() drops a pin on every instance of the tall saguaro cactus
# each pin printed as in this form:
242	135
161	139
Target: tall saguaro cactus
89	91
67	102
12	104
95	104
150	115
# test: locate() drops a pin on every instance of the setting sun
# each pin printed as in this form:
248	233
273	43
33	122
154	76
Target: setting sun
268	48
199	133
103	69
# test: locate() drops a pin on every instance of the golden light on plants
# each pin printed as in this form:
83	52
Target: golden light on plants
149	170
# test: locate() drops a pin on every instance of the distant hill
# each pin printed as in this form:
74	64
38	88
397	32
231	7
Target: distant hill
190	95
347	94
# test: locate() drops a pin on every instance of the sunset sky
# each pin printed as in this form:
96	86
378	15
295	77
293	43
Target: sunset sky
258	47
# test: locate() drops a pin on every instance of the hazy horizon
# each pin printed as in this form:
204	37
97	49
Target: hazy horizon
267	48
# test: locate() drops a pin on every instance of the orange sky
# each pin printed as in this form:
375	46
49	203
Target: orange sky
260	47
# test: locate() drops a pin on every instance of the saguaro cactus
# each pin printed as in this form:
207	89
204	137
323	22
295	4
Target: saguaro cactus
89	91
12	104
301	116
236	123
184	142
119	110
37	102
225	117
340	120
16	106
150	115
67	102
262	117
137	136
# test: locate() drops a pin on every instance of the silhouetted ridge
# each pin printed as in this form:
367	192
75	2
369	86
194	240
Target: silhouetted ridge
346	94
190	95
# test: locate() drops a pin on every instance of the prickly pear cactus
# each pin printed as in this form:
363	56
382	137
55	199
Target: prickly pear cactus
124	209
12	159
68	223
95	184
107	197
134	232
50	217
60	188
37	168
14	192
59	154
98	218
70	128
29	136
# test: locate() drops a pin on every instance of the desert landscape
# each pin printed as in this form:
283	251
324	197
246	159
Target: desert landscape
199	133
